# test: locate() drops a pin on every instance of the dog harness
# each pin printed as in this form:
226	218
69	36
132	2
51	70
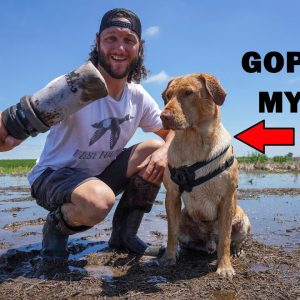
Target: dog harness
184	176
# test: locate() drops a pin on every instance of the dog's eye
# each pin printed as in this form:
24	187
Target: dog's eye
168	96
188	92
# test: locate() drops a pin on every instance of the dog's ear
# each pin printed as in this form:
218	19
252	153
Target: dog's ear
214	88
163	95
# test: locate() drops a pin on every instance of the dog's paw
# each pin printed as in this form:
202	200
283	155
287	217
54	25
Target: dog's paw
167	260
226	271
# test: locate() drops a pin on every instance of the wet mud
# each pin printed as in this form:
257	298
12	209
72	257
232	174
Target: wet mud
268	269
17	225
255	193
263	272
14	189
13	209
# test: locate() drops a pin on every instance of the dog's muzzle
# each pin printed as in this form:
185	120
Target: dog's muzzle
167	119
170	121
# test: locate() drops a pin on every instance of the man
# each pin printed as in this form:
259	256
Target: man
84	164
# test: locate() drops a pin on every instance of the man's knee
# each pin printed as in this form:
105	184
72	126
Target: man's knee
90	203
99	203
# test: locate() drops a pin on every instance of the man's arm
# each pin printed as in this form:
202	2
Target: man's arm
156	162
166	135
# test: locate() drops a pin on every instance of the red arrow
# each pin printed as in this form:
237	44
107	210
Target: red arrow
258	136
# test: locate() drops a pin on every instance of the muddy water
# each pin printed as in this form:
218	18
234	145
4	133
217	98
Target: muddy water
262	180
275	218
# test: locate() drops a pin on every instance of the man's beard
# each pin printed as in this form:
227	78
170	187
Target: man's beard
102	61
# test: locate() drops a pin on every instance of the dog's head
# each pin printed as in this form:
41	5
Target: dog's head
191	100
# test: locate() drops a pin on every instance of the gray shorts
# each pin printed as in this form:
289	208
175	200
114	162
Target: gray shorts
53	188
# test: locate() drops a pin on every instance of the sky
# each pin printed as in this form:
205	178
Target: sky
41	40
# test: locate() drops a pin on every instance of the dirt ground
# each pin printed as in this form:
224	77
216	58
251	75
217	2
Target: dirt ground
263	272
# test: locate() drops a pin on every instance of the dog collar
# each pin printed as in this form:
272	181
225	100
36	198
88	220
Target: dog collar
184	176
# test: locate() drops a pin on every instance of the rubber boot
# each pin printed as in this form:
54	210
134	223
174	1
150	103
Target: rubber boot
118	223
137	199
55	235
129	237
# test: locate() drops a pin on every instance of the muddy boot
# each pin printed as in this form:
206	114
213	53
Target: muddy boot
137	199
118	223
131	241
55	235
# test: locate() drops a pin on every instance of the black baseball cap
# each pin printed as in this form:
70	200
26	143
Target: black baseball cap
109	19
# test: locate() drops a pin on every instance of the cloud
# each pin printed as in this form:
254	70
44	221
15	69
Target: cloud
152	31
161	77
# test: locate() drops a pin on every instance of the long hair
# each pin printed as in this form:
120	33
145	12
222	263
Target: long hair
140	72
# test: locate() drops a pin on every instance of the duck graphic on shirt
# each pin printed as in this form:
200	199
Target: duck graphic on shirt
109	124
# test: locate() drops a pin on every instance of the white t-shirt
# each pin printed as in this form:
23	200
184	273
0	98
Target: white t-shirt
91	138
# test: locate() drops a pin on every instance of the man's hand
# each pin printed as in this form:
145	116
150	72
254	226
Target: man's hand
7	142
155	165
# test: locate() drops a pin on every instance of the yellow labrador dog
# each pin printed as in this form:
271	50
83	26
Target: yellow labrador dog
202	172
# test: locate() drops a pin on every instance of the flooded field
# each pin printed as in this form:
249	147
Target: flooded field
271	200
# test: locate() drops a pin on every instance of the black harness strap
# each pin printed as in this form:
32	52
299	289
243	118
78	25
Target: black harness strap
201	164
185	176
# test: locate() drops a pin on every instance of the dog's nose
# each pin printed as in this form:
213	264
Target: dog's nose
166	116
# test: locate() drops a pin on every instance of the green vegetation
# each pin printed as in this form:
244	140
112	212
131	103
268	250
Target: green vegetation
16	166
258	161
255	157
288	162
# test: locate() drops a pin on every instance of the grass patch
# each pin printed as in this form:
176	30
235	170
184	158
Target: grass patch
262	158
253	158
16	166
258	161
23	166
